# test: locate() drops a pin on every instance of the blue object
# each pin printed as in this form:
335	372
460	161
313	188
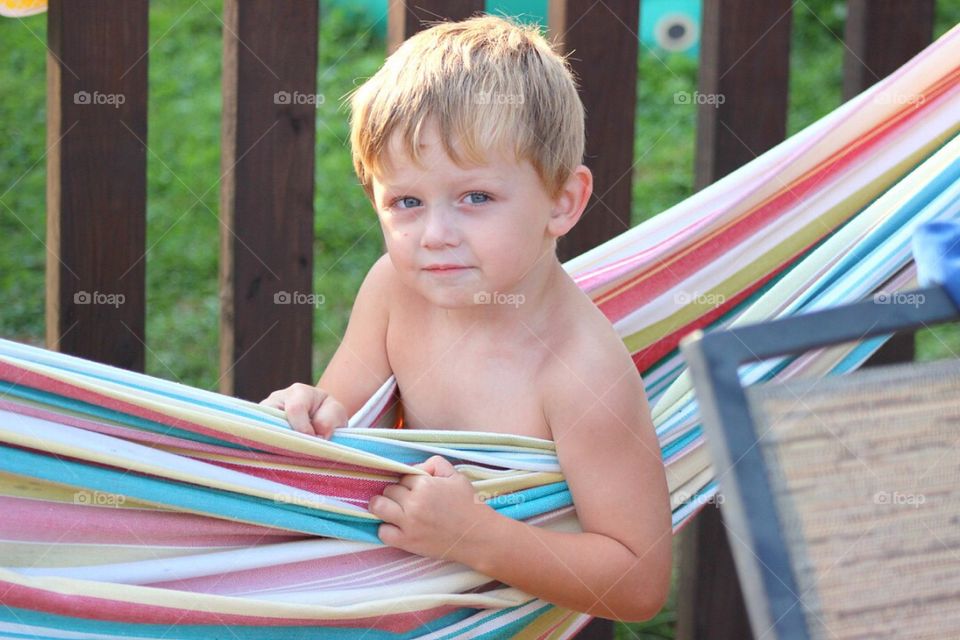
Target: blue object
936	248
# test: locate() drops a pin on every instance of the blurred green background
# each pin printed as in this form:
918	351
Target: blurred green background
184	169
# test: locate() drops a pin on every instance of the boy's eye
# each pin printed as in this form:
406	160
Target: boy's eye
406	202
481	194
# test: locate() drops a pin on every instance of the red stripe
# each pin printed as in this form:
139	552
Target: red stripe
648	356
344	488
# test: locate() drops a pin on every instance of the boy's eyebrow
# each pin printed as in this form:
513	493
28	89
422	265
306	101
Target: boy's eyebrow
486	177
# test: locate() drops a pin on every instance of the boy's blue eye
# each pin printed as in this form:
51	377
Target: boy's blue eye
481	194
406	200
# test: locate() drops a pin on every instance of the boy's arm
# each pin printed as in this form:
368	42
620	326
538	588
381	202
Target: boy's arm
619	566
360	366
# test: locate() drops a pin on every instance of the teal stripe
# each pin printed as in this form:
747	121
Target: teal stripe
222	504
235	631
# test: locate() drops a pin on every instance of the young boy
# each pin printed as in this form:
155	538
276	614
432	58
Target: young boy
468	142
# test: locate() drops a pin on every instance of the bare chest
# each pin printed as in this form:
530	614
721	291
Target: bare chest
448	382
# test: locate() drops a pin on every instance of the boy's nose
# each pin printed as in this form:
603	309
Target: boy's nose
439	229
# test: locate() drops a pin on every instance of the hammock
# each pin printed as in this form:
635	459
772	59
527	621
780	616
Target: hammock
136	507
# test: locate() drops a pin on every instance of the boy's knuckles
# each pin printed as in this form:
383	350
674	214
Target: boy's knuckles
394	492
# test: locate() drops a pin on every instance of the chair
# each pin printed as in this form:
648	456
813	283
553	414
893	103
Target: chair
841	494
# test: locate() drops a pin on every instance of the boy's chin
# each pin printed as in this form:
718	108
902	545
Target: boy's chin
451	302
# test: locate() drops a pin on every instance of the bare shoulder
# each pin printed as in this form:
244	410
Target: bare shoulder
382	275
592	364
360	365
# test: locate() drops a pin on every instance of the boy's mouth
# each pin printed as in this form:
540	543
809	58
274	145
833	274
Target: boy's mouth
443	268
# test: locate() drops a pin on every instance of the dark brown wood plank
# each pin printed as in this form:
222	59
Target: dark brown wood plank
881	35
96	180
407	17
604	42
742	112
603	37
744	70
709	599
597	629
266	195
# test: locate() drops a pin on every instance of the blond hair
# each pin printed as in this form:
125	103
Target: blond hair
488	83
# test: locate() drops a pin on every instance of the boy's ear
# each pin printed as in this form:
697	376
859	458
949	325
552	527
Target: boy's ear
569	205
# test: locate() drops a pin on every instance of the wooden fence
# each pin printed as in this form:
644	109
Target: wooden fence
96	180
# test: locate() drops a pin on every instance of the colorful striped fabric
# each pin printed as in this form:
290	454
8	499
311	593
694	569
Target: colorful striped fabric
140	508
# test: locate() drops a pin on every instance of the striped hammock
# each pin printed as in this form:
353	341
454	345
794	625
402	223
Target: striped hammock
140	508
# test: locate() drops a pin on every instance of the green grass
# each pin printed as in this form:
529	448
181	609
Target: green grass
184	169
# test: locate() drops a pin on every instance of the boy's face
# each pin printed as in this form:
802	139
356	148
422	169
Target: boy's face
489	224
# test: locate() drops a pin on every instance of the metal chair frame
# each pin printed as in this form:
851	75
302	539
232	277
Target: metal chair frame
763	562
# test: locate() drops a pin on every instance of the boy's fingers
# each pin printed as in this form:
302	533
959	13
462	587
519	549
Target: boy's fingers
329	416
274	400
298	416
438	466
396	492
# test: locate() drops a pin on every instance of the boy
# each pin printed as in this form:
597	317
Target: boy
468	142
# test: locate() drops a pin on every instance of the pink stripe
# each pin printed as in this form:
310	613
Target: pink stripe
91	608
340	569
31	520
357	490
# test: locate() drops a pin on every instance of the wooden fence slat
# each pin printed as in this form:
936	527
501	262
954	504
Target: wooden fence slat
744	63
96	180
880	36
407	17
266	195
604	41
742	111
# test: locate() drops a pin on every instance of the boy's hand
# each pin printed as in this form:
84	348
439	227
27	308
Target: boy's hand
429	515
309	410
